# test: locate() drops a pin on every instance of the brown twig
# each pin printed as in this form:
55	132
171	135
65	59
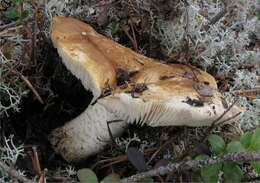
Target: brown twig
5	32
43	176
14	174
250	93
228	119
160	149
118	159
130	37
215	19
121	159
217	121
6	26
125	157
36	162
211	128
134	37
187	165
14	24
28	83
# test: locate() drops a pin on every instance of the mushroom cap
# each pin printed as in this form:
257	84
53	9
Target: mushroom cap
90	56
171	95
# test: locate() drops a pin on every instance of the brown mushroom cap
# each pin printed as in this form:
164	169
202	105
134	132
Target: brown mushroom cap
90	56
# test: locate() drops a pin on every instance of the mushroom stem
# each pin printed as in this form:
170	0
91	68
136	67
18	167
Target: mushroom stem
85	135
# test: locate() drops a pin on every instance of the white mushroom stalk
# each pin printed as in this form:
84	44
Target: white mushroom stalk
85	135
127	86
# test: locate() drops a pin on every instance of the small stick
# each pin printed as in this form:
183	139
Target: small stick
232	117
215	122
14	24
187	165
250	93
159	150
215	19
28	83
125	157
120	158
2	27
212	127
36	162
134	37
43	175
131	39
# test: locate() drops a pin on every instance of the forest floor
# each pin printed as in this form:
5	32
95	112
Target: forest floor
38	94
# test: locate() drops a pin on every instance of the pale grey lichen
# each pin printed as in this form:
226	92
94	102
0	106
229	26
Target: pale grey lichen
69	172
9	154
11	92
224	46
124	143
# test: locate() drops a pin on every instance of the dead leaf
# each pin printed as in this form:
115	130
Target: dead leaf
137	159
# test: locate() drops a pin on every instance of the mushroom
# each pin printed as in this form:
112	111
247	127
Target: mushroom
127	86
